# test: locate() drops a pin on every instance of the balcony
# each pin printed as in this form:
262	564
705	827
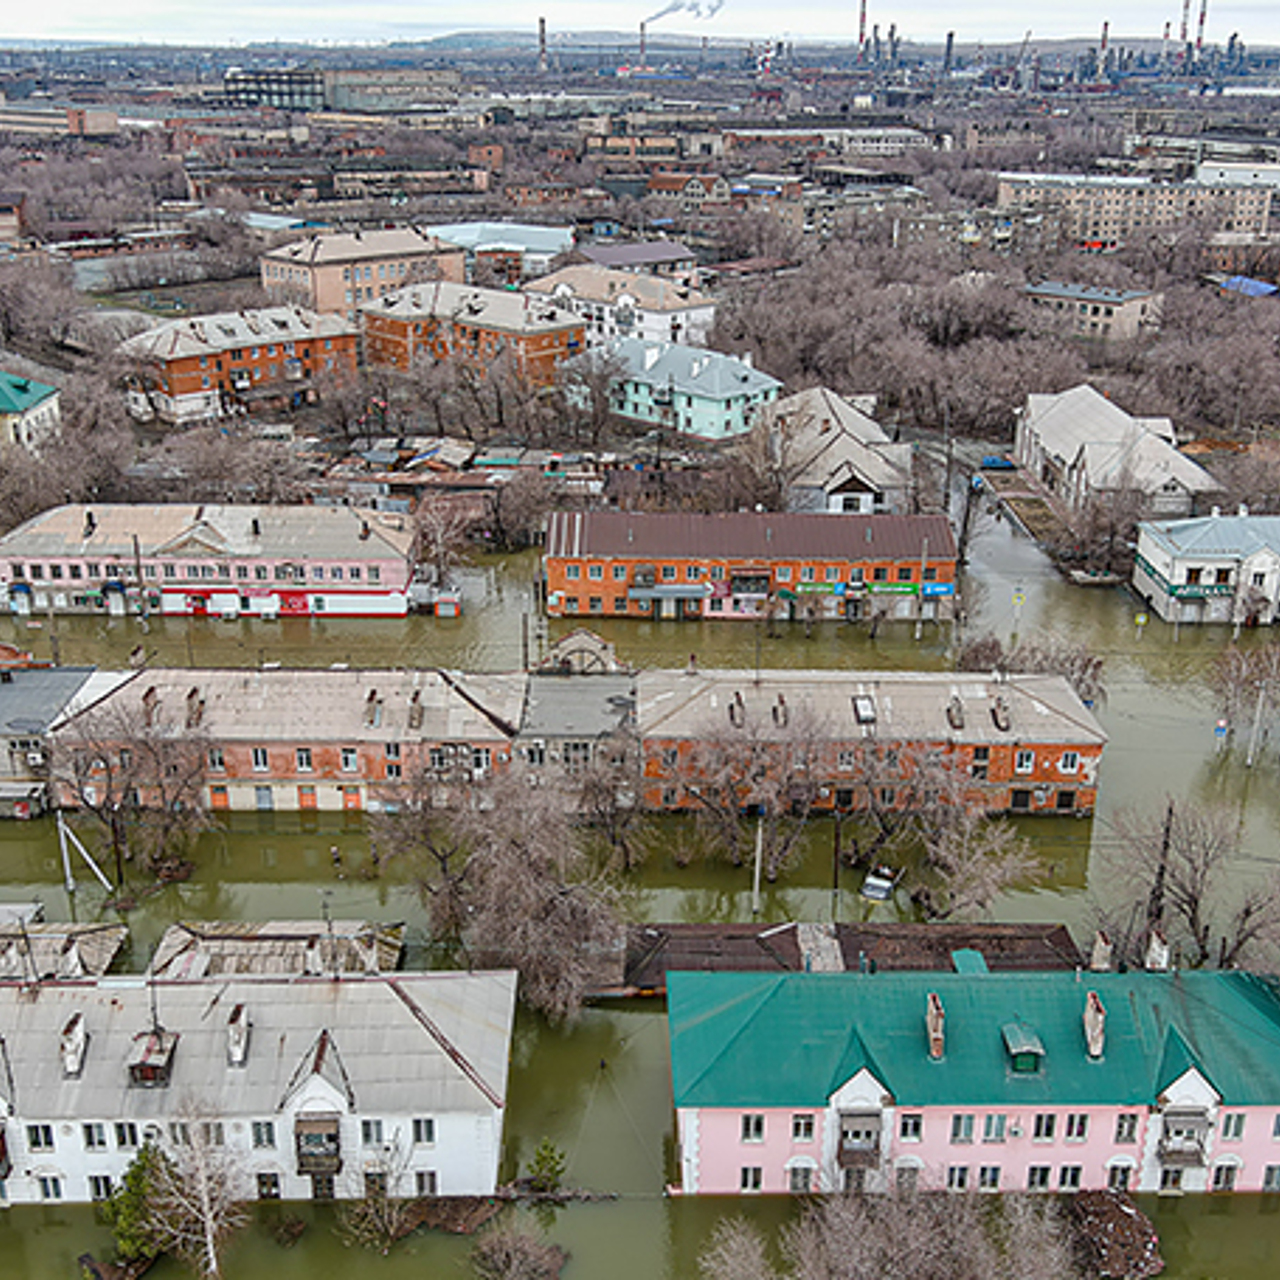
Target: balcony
319	1145
859	1141
1183	1141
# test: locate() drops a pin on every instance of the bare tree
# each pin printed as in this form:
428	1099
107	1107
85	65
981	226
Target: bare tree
197	1192
1174	871
975	859
507	1252
1041	653
1246	685
384	1214
441	531
735	1251
609	792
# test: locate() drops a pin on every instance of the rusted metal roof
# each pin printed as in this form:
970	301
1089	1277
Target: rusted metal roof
749	535
653	949
930	946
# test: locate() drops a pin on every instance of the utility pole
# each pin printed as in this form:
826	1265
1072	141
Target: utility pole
924	563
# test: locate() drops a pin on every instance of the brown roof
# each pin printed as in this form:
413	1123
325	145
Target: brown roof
654	949
930	946
749	535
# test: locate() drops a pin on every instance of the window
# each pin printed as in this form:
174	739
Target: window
371	1133
264	1134
392	751
595	604
216	758
99	1186
1069	1177
880	574
322	1186
595	572
904	573
1271	1178
1070	762
800	1180
993	1128
1038	1177
958	1177
1170	1179
753	1127
424	1131
50	1188
962	1128
911	1127
425	1182
1224	1177
304	759
393	770
260	759
1077	1126
751	1178
95	1136
802	1128
375	1184
1046	1122
268	1186
981	759
481	759
180	1133
619	573
40	1137
349	759
692	572
336	573
1118	1177
989	1177
1233	1126
126	1135
806	573
831	573
1127	1127
668	573
1024	761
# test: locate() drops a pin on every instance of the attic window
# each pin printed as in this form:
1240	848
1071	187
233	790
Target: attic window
1024	1047
864	709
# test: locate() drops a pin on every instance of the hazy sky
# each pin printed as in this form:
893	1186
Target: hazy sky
241	21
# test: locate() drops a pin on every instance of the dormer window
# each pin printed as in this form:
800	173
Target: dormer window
1024	1047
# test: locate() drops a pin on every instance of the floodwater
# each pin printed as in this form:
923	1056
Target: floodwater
601	1089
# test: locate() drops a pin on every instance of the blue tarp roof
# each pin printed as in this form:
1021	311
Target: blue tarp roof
1250	287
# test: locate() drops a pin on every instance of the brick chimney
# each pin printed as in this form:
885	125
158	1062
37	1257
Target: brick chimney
935	1022
1100	960
1095	1023
74	1042
238	1028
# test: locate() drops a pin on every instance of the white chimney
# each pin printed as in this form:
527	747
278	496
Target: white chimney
935	1023
749	359
1095	1024
1243	509
1100	960
1157	952
75	1040
238	1028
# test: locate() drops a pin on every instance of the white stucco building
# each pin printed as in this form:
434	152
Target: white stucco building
313	1084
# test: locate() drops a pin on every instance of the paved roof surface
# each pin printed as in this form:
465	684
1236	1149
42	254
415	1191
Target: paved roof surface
233	330
352	246
31	698
392	1060
18	395
600	284
648	253
1215	535
1085	292
740	536
586	706
176	529
909	705
467	304
741	1039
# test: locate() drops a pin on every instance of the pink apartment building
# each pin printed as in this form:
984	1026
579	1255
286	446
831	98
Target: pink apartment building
1042	1081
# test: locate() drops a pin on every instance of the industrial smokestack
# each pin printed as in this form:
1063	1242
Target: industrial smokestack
1102	52
893	43
642	44
951	48
862	31
542	45
1204	9
1186	13
875	43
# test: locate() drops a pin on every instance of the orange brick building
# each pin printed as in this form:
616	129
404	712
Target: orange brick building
748	565
211	366
445	321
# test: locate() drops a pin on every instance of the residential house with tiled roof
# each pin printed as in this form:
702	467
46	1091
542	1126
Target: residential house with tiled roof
1044	1082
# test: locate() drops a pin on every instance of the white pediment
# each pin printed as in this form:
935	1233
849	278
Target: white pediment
1190	1089
861	1091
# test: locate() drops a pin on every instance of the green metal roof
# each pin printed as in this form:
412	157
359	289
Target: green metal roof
17	395
751	1039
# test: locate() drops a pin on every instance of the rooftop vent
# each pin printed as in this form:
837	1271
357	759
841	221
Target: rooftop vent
1000	712
864	708
195	708
415	710
781	712
90	524
74	1043
1157	958
955	712
1024	1046
935	1020
1095	1023
238	1028
1100	959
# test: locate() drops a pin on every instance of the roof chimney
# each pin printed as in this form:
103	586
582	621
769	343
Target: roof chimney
1157	952
195	707
255	527
1243	509
935	1021
238	1028
1095	1023
1100	960
75	1040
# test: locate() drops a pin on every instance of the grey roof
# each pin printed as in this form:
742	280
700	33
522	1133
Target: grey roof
1085	293
222	948
595	283
357	246
31	698
296	533
692	371
528	238
37	951
647	253
231	330
578	706
909	705
431	1041
1216	535
748	535
491	308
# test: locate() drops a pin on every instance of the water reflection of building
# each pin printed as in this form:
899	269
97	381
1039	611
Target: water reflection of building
975	1080
311	1086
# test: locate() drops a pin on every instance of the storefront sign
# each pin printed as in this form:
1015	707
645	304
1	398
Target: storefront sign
937	588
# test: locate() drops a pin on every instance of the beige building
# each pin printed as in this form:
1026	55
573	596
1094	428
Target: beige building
1102	212
1091	312
336	273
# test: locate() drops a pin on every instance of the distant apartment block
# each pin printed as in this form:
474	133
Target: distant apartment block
212	366
1088	311
446	321
305	89
689	191
175	558
1103	212
335	274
